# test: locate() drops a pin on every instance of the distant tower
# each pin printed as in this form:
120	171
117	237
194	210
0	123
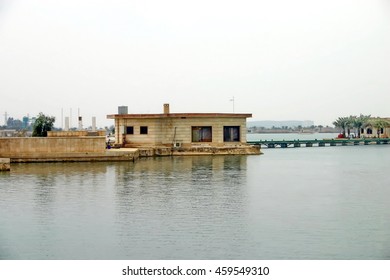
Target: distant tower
5	118
25	121
80	120
66	124
70	117
80	123
93	123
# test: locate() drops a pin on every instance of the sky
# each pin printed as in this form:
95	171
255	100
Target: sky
280	59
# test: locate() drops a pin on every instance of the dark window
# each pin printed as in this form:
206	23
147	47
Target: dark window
231	134
143	130
369	131
202	134
130	130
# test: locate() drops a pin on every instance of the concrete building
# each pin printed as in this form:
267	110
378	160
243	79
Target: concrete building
180	130
371	130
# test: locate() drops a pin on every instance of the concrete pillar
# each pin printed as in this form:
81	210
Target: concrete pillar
5	164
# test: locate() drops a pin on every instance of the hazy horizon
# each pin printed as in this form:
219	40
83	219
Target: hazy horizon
280	60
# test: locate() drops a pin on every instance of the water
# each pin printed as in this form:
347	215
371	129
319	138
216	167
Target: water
294	203
290	136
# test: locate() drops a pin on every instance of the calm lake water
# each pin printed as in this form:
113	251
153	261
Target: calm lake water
294	203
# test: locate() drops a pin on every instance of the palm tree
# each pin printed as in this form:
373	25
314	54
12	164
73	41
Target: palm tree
360	122
350	124
379	125
341	122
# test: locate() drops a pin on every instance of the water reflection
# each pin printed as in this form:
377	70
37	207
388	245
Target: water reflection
318	203
184	204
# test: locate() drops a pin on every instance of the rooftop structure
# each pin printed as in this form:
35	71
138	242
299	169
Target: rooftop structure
180	130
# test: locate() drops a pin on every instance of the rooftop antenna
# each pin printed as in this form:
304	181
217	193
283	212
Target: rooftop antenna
233	103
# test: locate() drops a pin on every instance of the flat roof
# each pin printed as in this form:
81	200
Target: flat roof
178	115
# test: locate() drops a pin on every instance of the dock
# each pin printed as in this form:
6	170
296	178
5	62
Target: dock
319	142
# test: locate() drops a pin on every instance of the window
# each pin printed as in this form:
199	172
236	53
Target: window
143	130
369	130
202	134
130	130
231	134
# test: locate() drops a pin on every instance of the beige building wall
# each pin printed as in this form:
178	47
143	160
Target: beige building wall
374	134
82	133
167	130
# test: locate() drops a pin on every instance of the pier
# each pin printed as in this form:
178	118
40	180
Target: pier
319	142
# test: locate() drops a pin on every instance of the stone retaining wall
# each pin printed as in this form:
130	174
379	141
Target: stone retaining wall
44	148
5	164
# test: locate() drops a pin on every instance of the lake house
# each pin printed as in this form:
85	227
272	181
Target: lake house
182	131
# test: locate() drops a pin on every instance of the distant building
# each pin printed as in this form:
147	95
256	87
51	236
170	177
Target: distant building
8	133
371	131
180	130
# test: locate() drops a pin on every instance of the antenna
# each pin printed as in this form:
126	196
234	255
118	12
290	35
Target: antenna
233	103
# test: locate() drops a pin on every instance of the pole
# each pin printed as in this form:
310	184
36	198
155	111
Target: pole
233	103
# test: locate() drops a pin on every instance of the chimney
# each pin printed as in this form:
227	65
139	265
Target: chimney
166	108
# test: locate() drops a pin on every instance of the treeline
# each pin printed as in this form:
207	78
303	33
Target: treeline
295	129
357	124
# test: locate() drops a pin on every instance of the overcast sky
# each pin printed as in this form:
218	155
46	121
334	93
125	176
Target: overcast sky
281	60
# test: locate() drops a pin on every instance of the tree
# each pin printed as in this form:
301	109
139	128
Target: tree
379	125
342	122
361	122
350	124
42	125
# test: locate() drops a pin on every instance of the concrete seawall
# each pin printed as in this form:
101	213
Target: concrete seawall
47	149
5	164
86	148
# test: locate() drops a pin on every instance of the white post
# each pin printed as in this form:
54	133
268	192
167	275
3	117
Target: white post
93	123
66	124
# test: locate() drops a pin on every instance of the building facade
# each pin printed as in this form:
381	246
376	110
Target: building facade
177	130
376	128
